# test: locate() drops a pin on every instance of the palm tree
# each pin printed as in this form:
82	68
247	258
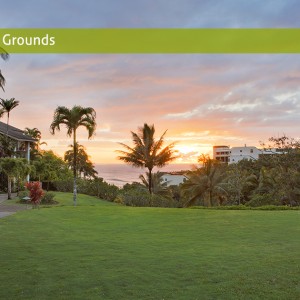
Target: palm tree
147	152
4	55
73	118
35	150
8	105
84	165
205	182
159	186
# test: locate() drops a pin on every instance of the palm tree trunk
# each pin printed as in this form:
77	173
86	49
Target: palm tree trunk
150	181
74	168
7	125
9	188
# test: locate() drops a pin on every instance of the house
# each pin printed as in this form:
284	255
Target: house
250	153
20	137
173	178
235	154
221	153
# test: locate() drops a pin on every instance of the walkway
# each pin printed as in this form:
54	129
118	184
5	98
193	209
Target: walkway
7	209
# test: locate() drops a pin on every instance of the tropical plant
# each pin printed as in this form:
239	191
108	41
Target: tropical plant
49	168
35	192
34	147
159	187
239	180
4	55
8	105
73	119
205	183
147	152
7	146
83	165
99	188
14	168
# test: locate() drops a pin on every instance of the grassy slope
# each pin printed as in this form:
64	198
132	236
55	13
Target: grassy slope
103	251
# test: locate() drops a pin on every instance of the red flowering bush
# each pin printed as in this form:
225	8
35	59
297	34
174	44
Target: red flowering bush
35	192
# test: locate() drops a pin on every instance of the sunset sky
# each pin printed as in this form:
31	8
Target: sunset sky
203	100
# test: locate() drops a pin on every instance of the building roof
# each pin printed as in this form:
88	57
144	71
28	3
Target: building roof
15	133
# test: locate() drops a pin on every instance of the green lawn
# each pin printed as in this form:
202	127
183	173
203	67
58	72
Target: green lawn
99	250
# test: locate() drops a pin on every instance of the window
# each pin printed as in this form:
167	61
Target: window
251	150
241	150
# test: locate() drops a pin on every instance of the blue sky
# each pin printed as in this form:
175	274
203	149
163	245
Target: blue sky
202	100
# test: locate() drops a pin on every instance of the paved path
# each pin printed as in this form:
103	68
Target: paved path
7	209
3	197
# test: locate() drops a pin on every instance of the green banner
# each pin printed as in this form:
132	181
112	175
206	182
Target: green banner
167	41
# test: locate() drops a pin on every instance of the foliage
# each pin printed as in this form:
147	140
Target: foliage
239	183
142	198
205	183
14	168
99	188
83	165
147	152
23	194
7	106
48	198
49	167
7	146
65	186
35	151
74	118
261	200
136	197
35	192
4	55
159	187
272	179
244	207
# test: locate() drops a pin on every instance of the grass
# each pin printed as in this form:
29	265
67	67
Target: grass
99	250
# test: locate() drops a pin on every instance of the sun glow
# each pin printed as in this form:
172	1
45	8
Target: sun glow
190	153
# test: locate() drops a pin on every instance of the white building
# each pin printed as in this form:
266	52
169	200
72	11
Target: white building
235	154
250	153
221	153
173	179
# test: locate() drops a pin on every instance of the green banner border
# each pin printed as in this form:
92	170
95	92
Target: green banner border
138	40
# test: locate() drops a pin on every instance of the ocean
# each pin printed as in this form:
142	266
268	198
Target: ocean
120	174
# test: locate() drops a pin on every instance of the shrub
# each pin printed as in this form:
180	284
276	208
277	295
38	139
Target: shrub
261	200
65	186
48	198
35	192
99	188
142	198
136	197
160	201
243	207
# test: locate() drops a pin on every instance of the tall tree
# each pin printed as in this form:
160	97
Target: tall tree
4	55
8	105
74	118
147	152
